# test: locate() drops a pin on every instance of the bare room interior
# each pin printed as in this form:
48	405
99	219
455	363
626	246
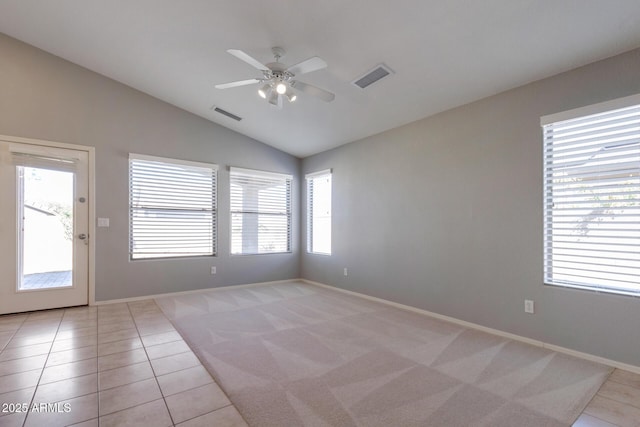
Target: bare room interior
414	213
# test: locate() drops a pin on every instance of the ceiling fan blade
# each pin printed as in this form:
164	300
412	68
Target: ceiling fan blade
313	90
248	59
236	84
307	66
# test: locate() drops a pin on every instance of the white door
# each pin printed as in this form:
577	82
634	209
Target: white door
44	217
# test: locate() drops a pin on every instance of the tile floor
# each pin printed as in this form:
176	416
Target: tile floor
617	403
111	365
125	365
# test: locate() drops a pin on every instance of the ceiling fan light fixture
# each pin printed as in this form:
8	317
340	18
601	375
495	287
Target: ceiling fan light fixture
273	97
291	95
278	80
263	91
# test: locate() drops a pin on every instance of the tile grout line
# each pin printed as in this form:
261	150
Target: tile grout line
201	364
211	412
199	361
155	377
97	366
14	333
605	398
632	405
610	380
24	423
623	383
595	394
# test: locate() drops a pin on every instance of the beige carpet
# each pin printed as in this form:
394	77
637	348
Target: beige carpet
295	354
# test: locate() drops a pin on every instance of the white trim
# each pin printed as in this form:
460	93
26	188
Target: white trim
254	173
194	291
318	174
92	225
588	110
91	151
552	347
39	153
134	156
44	143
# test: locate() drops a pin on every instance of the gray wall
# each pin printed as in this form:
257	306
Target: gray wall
442	214
45	97
445	214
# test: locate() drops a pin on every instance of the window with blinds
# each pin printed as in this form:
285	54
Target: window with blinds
260	212
319	212
172	208
592	197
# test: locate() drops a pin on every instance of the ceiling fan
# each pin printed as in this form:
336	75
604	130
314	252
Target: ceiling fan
278	80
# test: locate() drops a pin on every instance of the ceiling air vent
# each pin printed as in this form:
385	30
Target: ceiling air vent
228	114
378	72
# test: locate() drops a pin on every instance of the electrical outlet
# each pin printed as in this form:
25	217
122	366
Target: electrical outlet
346	273
528	306
213	270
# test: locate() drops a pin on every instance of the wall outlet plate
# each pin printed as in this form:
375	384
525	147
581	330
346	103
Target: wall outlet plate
213	270
346	273
529	306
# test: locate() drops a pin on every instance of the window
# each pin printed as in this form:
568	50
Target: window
319	212
592	197
172	208
260	212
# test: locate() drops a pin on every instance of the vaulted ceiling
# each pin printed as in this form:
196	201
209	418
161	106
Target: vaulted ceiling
444	53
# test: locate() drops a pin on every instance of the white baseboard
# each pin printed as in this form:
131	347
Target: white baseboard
194	291
552	347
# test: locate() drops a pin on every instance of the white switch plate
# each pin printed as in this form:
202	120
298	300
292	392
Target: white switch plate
528	306
345	271
103	222
213	270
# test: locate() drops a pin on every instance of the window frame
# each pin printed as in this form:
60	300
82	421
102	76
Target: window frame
599	267
171	162
236	173
310	181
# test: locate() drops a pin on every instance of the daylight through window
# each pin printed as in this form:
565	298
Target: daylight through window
260	212
319	212
172	208
592	197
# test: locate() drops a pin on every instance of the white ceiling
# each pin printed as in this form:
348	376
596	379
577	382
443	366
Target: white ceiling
444	53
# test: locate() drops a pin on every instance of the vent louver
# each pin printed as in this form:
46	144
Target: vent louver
228	114
377	73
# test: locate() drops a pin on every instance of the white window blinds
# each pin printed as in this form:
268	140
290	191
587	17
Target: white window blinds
319	212
592	198
260	212
172	208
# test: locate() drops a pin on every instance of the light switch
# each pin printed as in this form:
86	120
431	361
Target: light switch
103	222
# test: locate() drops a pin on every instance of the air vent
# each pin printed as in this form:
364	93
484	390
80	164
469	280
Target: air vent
378	72
228	114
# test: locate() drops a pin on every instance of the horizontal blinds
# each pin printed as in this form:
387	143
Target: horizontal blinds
260	212
592	201
319	212
172	208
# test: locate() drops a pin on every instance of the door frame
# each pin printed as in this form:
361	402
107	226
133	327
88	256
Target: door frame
91	151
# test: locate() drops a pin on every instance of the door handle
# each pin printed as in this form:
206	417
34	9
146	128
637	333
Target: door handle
82	236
